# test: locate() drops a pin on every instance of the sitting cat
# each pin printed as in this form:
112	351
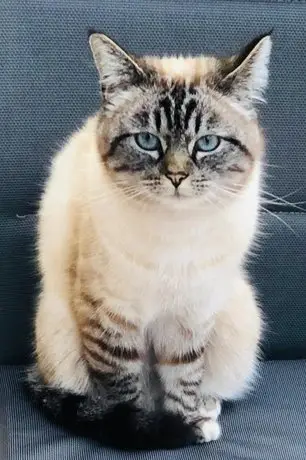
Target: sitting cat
146	320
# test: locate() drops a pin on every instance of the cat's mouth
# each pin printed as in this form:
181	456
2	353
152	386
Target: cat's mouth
180	195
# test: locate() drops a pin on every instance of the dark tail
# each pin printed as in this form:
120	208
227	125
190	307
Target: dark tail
123	426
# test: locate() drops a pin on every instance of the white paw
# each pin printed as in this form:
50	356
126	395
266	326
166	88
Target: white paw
211	430
211	409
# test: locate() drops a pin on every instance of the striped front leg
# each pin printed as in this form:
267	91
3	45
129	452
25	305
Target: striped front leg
180	365
179	356
113	348
181	379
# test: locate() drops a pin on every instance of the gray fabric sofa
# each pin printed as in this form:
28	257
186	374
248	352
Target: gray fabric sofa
48	86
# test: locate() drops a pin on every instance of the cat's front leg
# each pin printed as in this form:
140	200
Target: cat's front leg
179	354
113	347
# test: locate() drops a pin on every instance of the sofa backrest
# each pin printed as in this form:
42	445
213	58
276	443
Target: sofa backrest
48	85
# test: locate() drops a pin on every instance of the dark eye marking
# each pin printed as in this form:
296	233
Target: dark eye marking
236	168
143	117
128	168
166	105
157	119
115	142
213	157
190	107
238	144
198	121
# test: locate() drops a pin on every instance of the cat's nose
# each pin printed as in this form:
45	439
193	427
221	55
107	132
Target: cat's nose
176	177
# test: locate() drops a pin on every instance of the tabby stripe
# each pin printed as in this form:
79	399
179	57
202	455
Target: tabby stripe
97	358
101	374
180	95
127	391
166	105
179	401
94	339
124	381
190	107
157	119
128	168
115	390
92	330
198	122
129	378
122	390
94	323
88	299
129	354
189	383
187	358
235	168
120	320
189	392
236	142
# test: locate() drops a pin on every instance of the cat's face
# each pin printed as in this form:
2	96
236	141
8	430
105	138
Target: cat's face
173	129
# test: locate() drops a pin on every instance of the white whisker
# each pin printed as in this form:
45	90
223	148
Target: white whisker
279	218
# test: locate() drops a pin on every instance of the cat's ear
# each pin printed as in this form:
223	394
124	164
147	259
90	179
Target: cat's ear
116	68
245	76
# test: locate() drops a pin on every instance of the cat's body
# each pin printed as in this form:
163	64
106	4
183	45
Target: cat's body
146	319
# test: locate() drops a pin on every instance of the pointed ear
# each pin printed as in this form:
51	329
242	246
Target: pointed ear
116	68
245	76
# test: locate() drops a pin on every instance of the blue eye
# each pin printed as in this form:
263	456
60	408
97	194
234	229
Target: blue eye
147	141
207	143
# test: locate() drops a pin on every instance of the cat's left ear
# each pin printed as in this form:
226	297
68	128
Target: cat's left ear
245	76
116	68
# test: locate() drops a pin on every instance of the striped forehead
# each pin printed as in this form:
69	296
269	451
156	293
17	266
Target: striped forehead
175	111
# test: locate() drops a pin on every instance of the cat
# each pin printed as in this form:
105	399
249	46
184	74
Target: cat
146	319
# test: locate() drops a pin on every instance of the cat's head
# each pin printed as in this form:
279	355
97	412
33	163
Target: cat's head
177	130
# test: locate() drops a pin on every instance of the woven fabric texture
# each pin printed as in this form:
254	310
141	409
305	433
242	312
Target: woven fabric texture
266	426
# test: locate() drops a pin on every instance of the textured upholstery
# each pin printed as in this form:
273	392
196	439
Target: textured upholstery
269	425
48	87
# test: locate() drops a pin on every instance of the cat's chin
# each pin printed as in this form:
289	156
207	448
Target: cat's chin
180	201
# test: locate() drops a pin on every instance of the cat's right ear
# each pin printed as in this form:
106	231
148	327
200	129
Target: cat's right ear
245	76
116	68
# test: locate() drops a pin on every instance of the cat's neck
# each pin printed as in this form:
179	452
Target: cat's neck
155	236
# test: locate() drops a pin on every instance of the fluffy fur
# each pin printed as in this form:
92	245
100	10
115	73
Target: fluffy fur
146	319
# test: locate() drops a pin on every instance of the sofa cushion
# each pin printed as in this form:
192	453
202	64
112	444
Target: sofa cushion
268	424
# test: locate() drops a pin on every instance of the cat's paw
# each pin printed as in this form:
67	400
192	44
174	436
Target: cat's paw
210	430
211	408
